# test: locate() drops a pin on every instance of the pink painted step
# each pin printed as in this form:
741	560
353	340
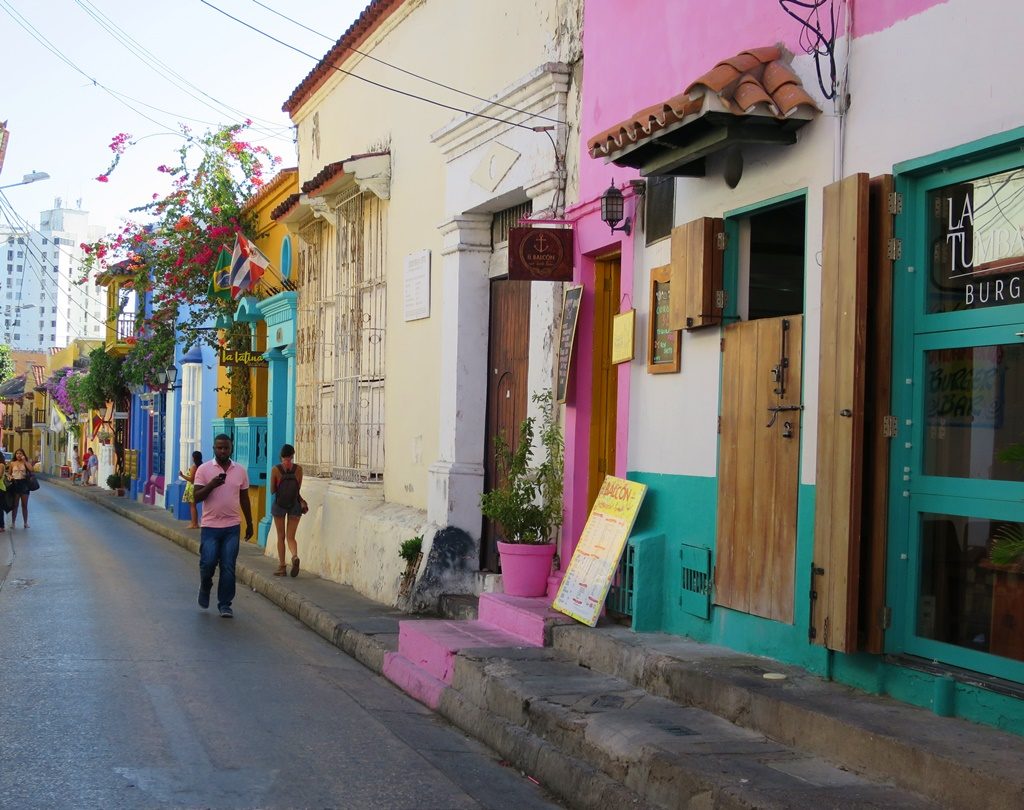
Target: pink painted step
431	644
522	616
412	680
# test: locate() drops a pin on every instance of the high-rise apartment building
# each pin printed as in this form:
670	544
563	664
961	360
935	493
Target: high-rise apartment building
41	303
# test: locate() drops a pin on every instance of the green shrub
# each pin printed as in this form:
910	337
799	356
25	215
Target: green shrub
411	548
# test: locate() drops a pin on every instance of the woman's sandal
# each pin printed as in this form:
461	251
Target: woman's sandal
282	569
295	566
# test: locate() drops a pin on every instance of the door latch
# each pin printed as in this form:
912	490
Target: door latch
775	410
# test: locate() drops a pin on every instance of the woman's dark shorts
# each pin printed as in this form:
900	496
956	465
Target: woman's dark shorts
277	511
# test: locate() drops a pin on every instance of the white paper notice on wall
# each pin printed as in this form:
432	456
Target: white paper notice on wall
417	285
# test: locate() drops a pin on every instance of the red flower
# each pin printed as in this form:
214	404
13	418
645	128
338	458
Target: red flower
103	178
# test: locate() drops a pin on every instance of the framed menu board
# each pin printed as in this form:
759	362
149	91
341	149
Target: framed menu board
662	342
567	338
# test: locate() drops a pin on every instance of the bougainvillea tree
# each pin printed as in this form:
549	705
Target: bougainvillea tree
172	245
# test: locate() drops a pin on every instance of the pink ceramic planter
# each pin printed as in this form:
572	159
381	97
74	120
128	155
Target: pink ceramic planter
525	568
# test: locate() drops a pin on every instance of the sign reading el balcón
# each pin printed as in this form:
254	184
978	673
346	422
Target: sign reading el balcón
540	254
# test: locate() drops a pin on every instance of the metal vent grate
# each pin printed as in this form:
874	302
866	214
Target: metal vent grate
695	595
620	595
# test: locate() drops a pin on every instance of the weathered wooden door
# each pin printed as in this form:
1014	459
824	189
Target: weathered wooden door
758	475
605	377
507	366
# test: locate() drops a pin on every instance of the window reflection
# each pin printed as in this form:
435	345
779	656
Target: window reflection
965	599
974	419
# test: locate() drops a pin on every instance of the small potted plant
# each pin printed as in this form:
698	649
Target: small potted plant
114	483
412	552
526	504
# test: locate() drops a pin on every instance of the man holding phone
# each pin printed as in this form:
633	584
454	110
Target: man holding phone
221	487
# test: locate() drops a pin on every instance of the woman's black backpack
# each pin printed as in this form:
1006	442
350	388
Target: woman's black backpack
287	495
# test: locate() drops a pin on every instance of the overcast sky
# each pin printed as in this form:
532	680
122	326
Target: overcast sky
62	123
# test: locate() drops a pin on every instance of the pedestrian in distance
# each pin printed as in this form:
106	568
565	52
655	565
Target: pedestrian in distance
287	507
76	465
21	471
92	467
189	495
4	500
221	485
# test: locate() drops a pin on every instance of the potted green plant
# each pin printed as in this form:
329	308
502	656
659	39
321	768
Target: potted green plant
114	482
412	552
526	503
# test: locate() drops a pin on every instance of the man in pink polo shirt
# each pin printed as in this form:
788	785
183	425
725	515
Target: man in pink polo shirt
221	487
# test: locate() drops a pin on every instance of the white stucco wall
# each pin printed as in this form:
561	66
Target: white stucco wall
352	533
914	90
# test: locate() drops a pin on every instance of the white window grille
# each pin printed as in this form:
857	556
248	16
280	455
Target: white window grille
340	357
191	411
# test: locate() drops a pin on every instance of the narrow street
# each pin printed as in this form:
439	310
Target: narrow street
118	691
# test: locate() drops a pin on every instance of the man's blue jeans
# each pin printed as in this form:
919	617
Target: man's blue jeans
219	546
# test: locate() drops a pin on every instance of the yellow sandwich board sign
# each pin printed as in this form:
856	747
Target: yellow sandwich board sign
596	558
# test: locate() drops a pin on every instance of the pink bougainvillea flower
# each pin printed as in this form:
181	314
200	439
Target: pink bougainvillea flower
103	178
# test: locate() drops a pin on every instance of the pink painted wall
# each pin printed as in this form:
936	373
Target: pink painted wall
637	54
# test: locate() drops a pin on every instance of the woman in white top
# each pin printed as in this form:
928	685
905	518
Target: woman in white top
19	471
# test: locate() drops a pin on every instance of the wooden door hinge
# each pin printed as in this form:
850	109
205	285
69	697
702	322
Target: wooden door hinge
721	240
719	425
890	427
895	203
721	345
885	617
721	299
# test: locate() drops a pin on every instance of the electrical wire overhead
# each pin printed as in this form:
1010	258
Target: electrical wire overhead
381	85
403	70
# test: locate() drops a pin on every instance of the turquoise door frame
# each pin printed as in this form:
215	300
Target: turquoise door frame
280	313
916	332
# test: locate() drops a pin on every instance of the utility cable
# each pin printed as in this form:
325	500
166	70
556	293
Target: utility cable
381	85
403	70
170	75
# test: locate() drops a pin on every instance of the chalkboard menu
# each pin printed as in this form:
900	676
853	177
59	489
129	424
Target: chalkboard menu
567	338
662	342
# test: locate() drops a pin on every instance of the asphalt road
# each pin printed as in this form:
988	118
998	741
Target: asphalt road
116	690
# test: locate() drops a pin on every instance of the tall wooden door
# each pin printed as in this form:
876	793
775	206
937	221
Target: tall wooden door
758	475
507	366
604	395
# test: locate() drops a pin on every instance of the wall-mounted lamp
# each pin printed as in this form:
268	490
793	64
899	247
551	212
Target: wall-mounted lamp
172	377
612	206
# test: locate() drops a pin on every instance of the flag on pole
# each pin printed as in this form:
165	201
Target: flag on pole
220	280
58	422
248	264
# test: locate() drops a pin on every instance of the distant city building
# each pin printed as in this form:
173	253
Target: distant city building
41	304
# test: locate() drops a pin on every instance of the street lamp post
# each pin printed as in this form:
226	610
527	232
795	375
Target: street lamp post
31	177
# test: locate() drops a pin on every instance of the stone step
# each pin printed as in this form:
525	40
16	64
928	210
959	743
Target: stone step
528	618
668	755
431	644
458	606
415	682
951	760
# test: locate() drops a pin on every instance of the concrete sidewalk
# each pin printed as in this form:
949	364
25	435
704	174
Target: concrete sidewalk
607	718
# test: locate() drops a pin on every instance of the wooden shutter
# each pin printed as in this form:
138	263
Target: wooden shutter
878	402
697	249
841	411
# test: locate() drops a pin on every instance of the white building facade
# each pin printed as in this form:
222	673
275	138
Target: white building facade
44	306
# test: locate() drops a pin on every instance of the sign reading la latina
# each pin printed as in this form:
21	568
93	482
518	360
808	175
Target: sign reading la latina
238	357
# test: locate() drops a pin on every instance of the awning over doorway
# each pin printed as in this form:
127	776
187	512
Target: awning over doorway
754	97
370	171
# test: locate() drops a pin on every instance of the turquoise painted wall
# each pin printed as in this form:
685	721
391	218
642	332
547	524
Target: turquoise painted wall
680	510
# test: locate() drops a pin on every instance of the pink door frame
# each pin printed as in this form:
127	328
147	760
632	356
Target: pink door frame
592	240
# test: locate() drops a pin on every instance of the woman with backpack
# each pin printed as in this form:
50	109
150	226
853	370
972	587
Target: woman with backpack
287	508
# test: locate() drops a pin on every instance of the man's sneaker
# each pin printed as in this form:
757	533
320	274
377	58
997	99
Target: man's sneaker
204	597
227	613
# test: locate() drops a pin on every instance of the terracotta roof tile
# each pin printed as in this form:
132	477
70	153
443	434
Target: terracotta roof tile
269	187
754	82
372	16
332	171
290	202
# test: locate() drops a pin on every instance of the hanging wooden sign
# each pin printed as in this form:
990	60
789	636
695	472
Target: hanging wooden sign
540	254
567	339
623	336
